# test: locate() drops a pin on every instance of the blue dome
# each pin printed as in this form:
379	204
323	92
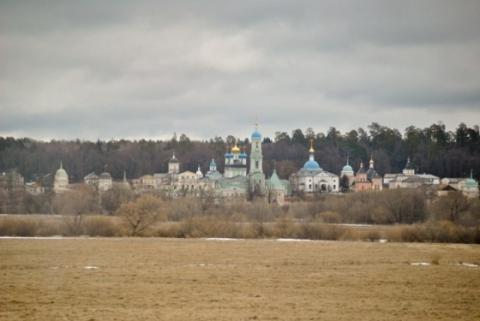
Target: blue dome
212	163
243	155
228	155
311	165
256	135
347	168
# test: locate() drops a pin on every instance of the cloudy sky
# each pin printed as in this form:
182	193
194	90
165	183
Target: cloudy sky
132	69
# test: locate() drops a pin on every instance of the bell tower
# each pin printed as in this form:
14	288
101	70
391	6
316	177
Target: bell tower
256	177
256	156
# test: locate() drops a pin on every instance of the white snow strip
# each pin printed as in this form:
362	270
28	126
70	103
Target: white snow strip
222	239
90	267
57	237
420	264
382	241
469	264
293	240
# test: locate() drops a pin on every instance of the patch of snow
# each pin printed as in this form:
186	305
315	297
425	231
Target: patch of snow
293	240
222	239
355	225
90	267
420	264
56	237
469	264
382	241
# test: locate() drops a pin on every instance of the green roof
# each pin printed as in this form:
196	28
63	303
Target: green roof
470	182
274	182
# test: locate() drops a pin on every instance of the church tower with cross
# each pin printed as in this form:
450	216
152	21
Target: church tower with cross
256	177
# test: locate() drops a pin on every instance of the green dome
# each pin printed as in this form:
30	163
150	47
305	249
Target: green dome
274	182
470	182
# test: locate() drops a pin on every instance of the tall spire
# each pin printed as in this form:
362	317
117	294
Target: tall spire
371	161
348	158
61	164
409	163
311	151
124	176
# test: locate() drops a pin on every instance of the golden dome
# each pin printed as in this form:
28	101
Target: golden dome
235	149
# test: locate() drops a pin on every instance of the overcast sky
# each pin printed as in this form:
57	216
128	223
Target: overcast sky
133	69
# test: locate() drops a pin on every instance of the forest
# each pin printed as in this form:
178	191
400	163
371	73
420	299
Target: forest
433	150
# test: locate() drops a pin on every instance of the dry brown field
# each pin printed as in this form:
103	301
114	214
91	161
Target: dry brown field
196	279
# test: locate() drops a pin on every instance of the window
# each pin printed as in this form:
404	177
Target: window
256	164
256	144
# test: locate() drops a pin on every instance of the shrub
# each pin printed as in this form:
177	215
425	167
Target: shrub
319	231
49	227
12	226
329	217
100	226
140	214
285	227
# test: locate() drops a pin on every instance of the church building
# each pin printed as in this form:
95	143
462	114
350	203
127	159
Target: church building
60	184
311	178
368	180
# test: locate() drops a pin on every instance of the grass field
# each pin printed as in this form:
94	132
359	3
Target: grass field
196	279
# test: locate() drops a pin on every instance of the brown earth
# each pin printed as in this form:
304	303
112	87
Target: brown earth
195	279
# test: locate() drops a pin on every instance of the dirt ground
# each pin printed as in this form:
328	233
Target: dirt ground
196	279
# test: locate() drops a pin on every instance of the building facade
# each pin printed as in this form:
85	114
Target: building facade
467	186
368	180
311	178
409	179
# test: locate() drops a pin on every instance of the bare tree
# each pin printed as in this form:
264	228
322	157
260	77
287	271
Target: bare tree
114	198
450	207
140	214
73	205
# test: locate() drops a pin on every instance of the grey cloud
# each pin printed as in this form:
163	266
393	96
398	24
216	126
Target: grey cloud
121	68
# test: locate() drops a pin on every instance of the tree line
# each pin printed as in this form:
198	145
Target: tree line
433	149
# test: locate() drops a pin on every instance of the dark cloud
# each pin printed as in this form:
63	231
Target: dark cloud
108	69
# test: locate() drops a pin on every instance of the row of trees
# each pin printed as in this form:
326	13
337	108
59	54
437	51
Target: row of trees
382	207
433	149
